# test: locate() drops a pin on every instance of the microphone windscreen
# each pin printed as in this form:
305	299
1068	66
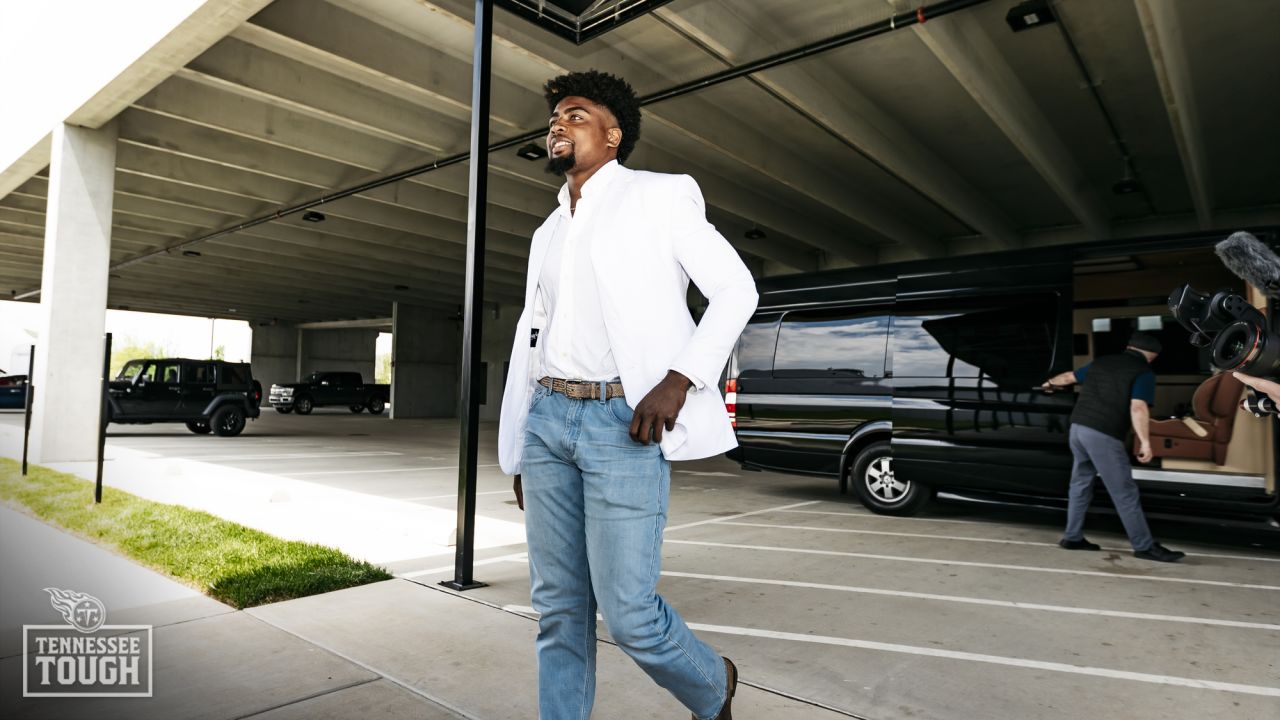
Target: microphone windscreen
1252	261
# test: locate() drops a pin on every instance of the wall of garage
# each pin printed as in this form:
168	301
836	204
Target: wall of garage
495	351
347	349
274	354
426	345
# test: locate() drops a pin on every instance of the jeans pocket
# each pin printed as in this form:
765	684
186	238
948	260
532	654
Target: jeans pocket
539	392
621	411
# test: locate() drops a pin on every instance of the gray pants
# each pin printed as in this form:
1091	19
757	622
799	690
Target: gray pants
1097	453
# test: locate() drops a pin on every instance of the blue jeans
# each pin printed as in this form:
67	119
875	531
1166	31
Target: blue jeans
1097	453
595	508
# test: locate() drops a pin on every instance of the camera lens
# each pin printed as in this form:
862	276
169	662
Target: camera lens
1245	347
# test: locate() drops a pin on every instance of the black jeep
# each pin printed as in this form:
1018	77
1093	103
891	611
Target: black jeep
205	394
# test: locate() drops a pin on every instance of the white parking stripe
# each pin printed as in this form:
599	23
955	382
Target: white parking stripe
513	557
963	563
994	660
741	515
283	456
454	495
873	516
978	601
370	472
963	538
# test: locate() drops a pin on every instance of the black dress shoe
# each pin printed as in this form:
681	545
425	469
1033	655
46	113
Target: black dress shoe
1080	544
731	687
1159	553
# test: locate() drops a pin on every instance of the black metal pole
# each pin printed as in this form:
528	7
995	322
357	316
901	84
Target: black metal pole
102	416
26	407
472	309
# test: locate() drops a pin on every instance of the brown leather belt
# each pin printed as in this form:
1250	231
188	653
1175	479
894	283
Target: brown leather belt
582	389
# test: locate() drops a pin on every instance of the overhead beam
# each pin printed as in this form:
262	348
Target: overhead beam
964	48
834	105
1162	27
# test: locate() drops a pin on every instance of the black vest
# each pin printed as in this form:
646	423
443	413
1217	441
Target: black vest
1106	391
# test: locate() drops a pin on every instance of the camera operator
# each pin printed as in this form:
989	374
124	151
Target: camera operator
1116	392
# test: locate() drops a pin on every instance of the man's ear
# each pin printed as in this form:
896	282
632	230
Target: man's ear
615	137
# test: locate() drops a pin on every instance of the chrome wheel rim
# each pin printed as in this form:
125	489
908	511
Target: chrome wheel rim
881	482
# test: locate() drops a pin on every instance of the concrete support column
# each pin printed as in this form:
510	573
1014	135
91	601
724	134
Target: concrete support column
73	294
425	347
274	354
345	349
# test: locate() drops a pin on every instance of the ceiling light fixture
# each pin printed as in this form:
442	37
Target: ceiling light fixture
190	253
755	233
532	152
313	216
401	287
1128	184
1030	14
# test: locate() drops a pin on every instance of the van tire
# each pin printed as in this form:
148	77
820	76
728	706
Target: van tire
376	406
303	405
227	421
873	483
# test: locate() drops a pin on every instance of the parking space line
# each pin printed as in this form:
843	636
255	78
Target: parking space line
284	456
741	515
962	538
966	563
453	495
384	470
1109	673
978	601
873	516
513	557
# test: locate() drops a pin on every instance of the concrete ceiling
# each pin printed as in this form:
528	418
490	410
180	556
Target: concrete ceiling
948	137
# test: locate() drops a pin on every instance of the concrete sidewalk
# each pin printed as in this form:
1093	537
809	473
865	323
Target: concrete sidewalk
395	649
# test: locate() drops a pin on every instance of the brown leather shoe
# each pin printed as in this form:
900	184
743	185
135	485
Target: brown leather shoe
731	687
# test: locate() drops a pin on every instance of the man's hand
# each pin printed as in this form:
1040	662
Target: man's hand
518	489
658	409
1144	452
1268	387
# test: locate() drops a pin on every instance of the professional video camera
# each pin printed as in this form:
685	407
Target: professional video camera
1237	333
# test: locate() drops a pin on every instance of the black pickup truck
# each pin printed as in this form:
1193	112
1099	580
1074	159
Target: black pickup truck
207	395
330	388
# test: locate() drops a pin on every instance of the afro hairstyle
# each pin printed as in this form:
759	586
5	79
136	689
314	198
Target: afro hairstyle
605	90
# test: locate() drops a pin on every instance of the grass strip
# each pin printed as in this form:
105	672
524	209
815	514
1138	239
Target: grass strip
229	562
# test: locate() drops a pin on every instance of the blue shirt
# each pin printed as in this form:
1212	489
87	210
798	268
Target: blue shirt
1144	386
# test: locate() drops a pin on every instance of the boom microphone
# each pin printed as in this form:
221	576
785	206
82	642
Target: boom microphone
1252	261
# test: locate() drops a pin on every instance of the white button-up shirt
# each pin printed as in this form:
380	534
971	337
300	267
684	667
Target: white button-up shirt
575	344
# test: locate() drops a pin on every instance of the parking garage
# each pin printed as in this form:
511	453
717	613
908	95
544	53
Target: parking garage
945	137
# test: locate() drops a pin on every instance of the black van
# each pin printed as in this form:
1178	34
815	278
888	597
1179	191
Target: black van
900	380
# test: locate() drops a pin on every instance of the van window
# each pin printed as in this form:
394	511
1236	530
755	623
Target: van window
840	342
1007	339
754	357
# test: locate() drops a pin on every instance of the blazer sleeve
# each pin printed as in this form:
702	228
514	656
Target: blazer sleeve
720	275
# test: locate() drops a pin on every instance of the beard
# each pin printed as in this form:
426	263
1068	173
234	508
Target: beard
561	165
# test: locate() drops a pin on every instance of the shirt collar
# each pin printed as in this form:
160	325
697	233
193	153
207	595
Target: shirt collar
594	185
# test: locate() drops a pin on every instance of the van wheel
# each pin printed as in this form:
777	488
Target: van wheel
199	428
227	421
879	490
303	405
376	406
357	409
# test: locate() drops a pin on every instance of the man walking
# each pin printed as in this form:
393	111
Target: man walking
610	380
1116	393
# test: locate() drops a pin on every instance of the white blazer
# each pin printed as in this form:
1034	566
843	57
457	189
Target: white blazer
649	237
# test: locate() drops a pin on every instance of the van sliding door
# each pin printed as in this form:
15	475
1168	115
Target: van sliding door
967	350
